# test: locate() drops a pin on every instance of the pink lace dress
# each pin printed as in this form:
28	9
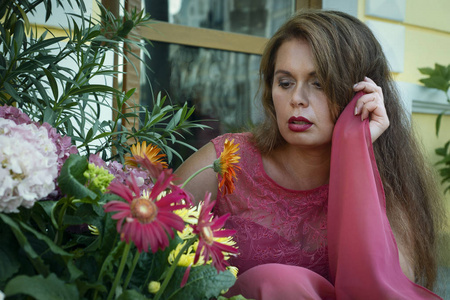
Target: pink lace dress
273	224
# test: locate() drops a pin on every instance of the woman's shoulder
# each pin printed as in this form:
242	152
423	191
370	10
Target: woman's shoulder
244	139
237	137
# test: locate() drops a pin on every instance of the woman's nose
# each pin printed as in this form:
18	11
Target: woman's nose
299	98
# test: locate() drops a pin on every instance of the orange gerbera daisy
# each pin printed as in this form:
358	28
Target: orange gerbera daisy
226	166
148	157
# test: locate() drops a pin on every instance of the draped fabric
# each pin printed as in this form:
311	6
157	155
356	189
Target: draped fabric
363	255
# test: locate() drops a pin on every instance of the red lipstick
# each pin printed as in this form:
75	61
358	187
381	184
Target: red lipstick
299	124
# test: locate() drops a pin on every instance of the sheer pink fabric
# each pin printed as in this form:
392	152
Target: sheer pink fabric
273	224
363	255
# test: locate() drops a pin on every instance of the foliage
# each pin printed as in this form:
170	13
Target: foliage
54	79
439	78
66	246
71	249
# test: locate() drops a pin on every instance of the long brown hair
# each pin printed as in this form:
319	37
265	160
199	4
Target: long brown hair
345	51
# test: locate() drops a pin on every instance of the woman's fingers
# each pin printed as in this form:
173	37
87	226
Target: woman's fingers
371	105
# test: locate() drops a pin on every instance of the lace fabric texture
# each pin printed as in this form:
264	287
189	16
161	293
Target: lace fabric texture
273	224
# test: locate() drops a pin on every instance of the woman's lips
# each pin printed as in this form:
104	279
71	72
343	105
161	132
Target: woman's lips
299	124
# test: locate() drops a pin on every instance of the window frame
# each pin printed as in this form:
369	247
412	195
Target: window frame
211	38
192	36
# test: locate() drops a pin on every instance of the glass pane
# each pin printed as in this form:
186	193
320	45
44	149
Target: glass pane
222	86
253	17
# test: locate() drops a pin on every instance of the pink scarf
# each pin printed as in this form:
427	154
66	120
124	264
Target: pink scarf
363	254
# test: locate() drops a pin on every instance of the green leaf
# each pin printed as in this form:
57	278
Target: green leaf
52	83
40	288
49	115
442	71
41	90
52	246
9	262
38	46
12	92
445	160
441	151
93	88
174	120
426	71
71	180
19	35
34	258
204	283
436	82
438	122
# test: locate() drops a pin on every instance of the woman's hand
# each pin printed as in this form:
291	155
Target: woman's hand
371	105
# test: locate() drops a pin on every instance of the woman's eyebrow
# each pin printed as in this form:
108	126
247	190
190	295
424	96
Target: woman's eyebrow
284	72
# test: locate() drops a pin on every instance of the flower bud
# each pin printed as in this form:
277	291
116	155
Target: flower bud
153	287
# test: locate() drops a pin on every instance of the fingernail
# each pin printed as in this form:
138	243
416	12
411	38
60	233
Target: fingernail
355	85
356	110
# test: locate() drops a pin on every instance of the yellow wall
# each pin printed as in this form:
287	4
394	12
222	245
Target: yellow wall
427	41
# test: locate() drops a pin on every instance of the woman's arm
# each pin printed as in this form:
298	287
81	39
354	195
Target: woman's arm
204	182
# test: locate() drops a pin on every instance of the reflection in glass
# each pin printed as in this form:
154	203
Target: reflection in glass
253	17
220	84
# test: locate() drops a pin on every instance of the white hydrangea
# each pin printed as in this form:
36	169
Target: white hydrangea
28	165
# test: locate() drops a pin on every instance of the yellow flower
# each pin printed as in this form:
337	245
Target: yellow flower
226	165
94	230
187	258
150	153
189	215
233	270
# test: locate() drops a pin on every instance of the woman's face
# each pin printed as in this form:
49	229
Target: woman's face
301	106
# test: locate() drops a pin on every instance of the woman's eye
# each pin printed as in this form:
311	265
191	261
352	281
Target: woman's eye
284	84
317	84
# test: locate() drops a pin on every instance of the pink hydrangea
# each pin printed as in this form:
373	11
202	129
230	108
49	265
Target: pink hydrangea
15	114
29	165
63	144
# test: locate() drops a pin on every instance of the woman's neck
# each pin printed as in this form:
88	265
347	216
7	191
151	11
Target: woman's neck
298	168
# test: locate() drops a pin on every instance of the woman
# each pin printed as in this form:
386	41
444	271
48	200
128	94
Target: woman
311	69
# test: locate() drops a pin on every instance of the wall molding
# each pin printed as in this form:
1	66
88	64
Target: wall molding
420	99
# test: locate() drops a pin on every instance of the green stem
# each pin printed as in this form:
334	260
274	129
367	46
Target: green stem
106	261
149	273
130	272
173	267
120	271
60	232
195	174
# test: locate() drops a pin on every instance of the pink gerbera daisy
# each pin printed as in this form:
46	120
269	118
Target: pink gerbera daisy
147	218
208	230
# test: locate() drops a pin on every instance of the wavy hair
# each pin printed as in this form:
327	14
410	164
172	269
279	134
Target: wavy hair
345	51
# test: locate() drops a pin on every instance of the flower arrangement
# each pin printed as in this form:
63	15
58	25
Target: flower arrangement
81	228
84	215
